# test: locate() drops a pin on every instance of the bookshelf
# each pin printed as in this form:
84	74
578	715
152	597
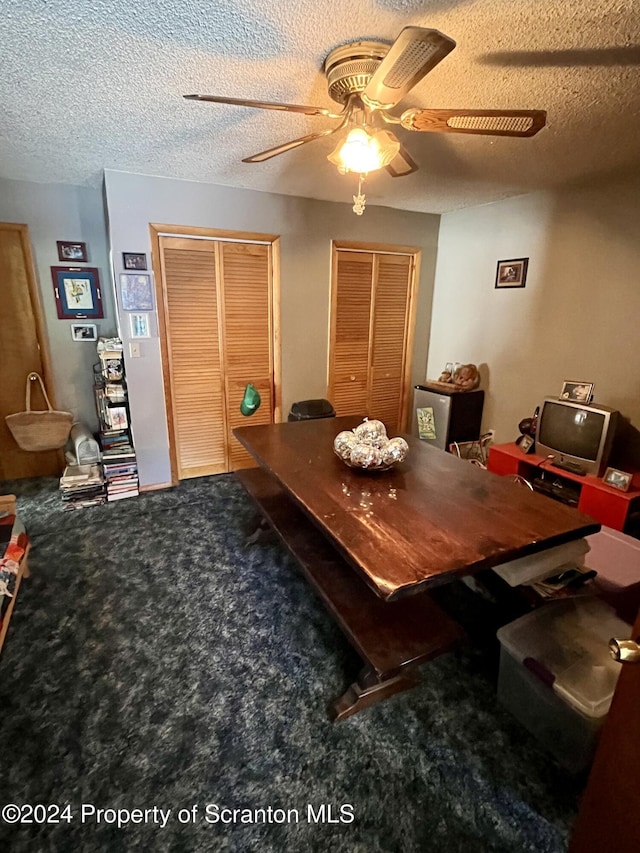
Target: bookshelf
119	462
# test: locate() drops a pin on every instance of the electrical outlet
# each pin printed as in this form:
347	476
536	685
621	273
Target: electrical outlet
492	434
134	349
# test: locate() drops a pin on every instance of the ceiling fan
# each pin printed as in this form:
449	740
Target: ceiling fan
368	79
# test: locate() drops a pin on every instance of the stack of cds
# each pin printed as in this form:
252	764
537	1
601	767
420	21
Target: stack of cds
120	467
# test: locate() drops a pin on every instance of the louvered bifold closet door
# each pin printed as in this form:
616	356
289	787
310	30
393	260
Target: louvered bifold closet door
245	270
391	289
193	345
350	322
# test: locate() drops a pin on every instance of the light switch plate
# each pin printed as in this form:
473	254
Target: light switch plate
134	349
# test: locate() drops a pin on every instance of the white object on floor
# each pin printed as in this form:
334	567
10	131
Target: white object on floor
615	557
84	447
544	564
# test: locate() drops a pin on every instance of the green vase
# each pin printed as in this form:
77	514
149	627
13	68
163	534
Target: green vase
250	401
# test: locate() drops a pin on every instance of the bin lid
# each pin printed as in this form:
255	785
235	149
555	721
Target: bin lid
312	409
570	640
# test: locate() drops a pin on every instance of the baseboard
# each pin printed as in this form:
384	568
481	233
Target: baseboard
155	486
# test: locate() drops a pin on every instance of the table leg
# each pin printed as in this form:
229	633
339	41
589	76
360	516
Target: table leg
368	690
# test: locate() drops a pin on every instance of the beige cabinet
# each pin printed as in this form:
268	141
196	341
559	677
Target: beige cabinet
373	296
218	327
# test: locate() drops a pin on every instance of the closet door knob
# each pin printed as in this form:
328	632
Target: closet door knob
352	378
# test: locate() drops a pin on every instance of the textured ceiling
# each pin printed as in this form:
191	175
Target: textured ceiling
94	84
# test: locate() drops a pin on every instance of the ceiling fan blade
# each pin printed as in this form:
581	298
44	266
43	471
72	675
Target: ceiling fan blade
570	58
288	146
402	164
482	122
265	105
411	57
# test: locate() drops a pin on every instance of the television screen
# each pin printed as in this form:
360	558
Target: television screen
574	431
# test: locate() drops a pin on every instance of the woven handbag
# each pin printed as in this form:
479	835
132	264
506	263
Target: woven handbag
46	430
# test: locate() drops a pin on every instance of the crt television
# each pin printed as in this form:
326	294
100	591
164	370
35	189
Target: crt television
576	434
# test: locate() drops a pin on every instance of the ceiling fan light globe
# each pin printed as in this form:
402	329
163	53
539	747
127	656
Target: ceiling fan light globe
359	152
386	145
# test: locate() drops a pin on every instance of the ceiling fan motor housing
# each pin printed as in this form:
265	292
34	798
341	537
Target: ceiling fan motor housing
350	67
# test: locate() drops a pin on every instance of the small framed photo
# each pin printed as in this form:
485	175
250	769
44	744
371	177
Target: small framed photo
136	292
117	417
134	261
112	369
77	293
512	273
617	479
577	392
526	443
84	332
72	251
139	325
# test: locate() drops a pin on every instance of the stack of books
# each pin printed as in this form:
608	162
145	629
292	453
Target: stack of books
82	485
119	465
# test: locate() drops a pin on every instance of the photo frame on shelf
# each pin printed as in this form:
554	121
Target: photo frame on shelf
526	443
84	332
136	292
77	293
512	273
617	479
111	366
68	251
139	325
134	261
577	392
117	417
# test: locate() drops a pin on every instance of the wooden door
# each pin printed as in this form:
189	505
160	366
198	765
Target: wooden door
245	271
609	818
350	332
218	330
193	356
372	317
22	350
390	314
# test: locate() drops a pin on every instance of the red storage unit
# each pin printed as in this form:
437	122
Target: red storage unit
587	493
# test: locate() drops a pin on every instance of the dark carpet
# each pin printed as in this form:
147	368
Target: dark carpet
154	660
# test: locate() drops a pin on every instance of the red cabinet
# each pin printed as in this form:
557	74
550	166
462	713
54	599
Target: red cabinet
589	494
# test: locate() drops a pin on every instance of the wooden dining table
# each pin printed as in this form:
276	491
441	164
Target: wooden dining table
373	544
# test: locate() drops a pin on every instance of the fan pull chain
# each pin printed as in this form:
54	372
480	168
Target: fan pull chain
359	200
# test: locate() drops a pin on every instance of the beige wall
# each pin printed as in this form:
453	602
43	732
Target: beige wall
306	228
577	317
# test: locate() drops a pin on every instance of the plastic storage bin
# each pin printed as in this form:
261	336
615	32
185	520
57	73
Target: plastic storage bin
557	676
535	567
307	410
616	558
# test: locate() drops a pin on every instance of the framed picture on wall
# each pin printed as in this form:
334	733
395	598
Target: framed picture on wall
84	332
136	292
139	325
72	251
134	261
77	293
512	273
